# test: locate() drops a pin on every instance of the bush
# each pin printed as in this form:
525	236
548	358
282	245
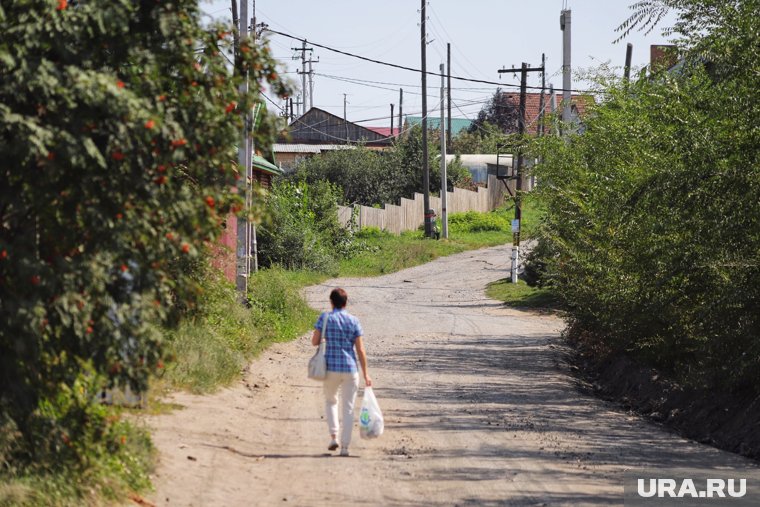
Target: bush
303	231
473	221
652	214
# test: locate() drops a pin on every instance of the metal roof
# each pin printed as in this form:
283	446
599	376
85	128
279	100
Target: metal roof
308	148
264	165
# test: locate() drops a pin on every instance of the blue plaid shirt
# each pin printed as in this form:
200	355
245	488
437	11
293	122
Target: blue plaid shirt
342	331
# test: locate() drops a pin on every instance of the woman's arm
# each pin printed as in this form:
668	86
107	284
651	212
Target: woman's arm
359	344
315	337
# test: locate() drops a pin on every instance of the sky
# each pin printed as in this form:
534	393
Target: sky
485	36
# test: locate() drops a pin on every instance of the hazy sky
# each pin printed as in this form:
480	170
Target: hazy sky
485	36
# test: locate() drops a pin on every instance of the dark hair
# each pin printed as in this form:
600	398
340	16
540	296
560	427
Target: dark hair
339	298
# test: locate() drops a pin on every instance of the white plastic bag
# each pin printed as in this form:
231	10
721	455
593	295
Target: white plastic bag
371	418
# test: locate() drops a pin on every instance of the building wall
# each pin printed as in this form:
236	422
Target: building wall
223	251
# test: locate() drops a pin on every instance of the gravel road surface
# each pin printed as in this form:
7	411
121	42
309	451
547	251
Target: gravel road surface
479	404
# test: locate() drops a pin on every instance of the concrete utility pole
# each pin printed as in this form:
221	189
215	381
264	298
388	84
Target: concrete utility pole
425	168
311	81
243	238
444	185
517	222
567	84
400	109
628	57
304	91
448	94
345	121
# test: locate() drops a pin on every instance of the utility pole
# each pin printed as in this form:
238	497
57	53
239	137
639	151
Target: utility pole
292	115
448	94
517	222
565	25
243	239
400	109
304	91
299	104
541	107
311	81
425	168
444	185
345	121
391	120
628	57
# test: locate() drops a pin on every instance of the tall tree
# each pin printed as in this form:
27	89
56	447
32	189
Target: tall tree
501	111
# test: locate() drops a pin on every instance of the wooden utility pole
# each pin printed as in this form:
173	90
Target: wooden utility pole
391	120
448	96
400	109
425	168
567	83
444	185
517	222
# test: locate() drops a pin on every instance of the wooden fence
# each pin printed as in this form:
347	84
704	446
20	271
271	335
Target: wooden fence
410	214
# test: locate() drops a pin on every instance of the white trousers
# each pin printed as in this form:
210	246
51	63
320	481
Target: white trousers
348	384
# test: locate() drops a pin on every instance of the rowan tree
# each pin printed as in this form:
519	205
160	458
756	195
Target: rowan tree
118	126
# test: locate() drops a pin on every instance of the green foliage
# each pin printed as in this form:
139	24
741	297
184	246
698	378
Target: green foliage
303	231
372	178
211	348
85	452
116	136
653	212
472	221
500	112
359	172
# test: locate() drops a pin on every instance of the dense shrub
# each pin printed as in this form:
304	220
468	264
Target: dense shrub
472	221
302	230
653	212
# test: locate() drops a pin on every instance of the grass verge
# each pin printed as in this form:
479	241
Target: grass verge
521	295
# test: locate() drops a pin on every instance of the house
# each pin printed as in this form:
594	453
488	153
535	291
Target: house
386	131
317	126
579	106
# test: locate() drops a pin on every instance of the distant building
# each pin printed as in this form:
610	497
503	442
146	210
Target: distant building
317	126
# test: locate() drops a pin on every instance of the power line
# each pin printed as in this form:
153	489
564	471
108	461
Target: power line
411	69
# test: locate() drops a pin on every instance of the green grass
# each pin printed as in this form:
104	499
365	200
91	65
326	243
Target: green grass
211	348
521	295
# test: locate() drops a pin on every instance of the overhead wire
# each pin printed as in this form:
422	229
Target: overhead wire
412	69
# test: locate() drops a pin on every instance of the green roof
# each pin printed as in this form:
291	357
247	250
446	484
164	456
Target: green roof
264	165
457	124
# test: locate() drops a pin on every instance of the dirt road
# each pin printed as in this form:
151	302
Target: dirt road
479	407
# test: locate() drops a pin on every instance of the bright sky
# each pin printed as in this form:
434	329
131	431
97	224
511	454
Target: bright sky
485	35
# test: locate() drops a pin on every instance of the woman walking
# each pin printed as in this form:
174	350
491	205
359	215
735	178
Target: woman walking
344	343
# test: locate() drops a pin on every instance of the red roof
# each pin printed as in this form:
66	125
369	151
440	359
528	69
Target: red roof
384	131
533	110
